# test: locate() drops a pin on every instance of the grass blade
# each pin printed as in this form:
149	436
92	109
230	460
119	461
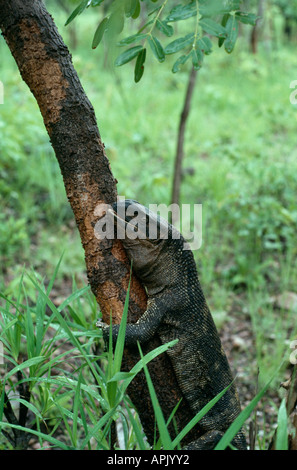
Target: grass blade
76	403
29	363
281	442
66	328
145	360
136	429
242	417
164	434
46	437
93	431
118	354
198	416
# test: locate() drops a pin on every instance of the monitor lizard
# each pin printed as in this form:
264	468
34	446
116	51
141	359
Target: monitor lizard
177	308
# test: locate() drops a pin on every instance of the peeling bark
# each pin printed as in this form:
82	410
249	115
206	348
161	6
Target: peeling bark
45	65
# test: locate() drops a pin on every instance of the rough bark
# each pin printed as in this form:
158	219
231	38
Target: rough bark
45	65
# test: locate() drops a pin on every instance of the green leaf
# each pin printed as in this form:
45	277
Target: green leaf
247	18
205	45
182	12
115	23
180	61
179	44
165	28
213	28
234	4
130	39
130	8
156	48
197	58
232	30
211	8
128	55
282	428
99	33
136	11
224	22
96	3
139	66
78	10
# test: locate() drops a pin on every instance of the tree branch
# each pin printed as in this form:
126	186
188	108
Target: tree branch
181	137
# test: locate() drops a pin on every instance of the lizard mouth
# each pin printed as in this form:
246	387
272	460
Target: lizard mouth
135	222
119	219
132	230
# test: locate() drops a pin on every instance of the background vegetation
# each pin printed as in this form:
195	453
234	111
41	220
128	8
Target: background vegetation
240	163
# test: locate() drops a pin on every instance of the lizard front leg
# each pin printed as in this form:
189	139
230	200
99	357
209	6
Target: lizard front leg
143	330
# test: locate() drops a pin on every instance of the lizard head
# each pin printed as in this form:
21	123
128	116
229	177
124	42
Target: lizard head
151	244
143	233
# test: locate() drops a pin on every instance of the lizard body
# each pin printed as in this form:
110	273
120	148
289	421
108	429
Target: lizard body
177	309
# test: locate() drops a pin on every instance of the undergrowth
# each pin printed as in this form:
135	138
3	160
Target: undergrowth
59	390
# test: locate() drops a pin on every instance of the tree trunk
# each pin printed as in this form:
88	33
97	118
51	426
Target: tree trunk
180	140
45	65
255	30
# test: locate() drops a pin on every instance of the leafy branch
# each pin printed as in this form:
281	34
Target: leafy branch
213	19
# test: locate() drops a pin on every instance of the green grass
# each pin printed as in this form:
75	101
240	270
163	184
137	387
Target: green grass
240	143
83	399
49	352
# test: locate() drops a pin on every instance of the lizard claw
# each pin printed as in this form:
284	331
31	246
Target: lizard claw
100	324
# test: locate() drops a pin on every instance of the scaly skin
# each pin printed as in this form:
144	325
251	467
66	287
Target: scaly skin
177	309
